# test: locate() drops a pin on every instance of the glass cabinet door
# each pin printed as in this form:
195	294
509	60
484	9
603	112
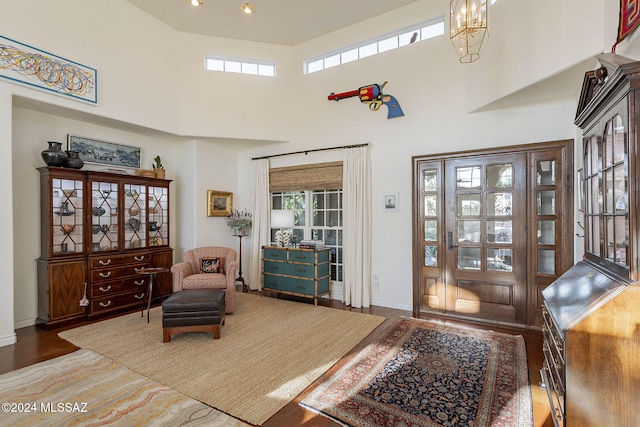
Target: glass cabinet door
67	233
104	216
158	216
135	214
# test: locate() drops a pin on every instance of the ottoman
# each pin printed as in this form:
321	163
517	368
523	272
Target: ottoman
193	310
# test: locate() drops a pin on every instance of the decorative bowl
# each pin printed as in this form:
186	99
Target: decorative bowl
67	228
98	211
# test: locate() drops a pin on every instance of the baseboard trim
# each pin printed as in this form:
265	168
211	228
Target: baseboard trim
8	340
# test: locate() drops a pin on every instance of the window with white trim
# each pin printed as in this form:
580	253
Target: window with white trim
241	66
403	37
321	219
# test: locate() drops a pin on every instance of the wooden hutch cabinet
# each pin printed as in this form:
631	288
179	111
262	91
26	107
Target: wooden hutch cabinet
98	231
591	365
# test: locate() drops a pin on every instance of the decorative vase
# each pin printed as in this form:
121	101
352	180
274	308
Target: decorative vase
73	160
53	155
159	173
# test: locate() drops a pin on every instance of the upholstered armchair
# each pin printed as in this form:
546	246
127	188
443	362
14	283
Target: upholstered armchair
208	267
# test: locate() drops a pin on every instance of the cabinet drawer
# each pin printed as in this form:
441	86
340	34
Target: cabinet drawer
117	301
102	289
108	274
280	283
302	270
305	287
302	256
275	267
116	260
276	254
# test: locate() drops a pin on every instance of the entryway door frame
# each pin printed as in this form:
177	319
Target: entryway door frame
547	235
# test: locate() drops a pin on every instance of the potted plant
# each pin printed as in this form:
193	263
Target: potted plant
158	169
240	221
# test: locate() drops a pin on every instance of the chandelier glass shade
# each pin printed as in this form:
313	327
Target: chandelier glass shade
468	27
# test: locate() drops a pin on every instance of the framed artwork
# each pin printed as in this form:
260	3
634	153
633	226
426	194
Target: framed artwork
33	67
102	152
390	202
219	203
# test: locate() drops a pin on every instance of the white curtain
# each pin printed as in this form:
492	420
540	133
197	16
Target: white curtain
260	207
356	211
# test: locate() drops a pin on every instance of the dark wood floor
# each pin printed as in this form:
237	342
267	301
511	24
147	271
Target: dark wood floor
35	345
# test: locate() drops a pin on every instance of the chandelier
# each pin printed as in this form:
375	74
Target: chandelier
468	27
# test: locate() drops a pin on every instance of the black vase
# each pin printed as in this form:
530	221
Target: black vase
53	155
73	160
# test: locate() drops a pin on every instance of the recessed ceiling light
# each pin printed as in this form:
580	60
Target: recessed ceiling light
247	8
196	2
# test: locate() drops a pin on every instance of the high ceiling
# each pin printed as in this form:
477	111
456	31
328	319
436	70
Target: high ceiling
283	22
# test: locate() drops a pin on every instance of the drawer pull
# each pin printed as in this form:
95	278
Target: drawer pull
299	257
105	305
107	274
105	290
107	262
301	270
139	297
140	283
300	287
138	270
274	268
138	258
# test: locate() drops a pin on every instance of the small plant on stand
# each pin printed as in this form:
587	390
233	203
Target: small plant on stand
158	169
239	221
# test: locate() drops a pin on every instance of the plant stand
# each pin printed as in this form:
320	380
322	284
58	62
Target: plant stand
240	279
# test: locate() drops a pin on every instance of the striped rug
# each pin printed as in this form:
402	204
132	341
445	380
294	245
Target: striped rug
86	389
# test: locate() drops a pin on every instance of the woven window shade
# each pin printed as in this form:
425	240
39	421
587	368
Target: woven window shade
318	176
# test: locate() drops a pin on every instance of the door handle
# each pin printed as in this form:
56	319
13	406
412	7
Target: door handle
450	240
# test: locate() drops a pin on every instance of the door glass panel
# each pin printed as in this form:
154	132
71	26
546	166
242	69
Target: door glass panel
104	216
608	188
499	259
468	177
430	180
594	156
546	202
546	232
135	228
431	256
620	189
499	231
607	156
618	139
469	231
596	197
546	172
499	204
468	204
430	205
500	176
469	258
67	215
622	239
596	226
546	261
430	230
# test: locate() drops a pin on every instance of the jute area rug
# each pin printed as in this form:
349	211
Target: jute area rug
86	389
421	373
269	351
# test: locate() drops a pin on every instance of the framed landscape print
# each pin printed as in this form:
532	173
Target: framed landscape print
219	203
107	153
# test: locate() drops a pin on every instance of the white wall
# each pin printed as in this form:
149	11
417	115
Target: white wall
154	93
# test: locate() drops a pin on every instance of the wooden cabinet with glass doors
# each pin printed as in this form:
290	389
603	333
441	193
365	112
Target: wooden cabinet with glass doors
98	231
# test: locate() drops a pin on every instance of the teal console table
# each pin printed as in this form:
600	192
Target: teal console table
295	271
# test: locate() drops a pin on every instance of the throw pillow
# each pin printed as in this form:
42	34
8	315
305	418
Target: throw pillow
212	265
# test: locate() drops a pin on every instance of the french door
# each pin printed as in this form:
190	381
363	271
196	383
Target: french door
487	235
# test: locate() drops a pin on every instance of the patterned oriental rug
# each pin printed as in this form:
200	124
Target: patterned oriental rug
421	373
86	389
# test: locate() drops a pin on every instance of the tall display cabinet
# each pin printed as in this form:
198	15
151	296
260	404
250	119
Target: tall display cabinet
592	312
98	230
